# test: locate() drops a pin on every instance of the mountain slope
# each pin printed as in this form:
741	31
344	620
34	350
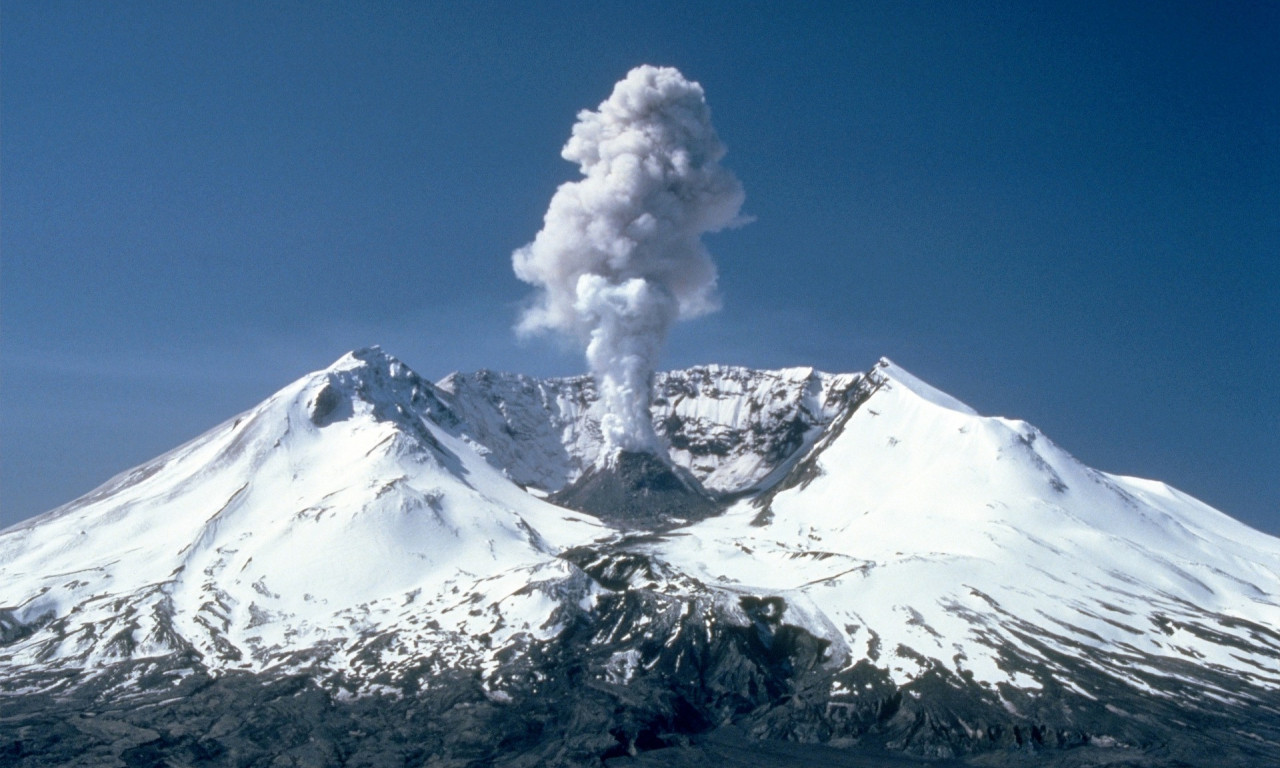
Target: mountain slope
329	510
933	541
886	570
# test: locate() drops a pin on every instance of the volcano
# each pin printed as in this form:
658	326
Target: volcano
369	568
638	490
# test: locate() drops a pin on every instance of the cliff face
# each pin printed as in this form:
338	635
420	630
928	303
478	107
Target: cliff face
733	429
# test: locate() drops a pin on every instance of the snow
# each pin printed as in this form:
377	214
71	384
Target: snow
362	500
919	504
893	373
544	433
274	531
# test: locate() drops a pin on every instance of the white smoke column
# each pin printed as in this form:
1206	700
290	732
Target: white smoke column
619	258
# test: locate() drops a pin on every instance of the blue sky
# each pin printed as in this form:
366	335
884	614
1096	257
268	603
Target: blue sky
1067	213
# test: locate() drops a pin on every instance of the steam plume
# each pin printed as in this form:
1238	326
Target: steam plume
619	258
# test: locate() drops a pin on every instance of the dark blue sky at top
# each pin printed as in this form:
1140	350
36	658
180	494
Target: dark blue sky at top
1067	213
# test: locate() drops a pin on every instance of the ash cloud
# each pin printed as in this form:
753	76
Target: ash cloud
620	258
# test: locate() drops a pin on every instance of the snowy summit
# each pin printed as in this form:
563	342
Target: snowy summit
829	559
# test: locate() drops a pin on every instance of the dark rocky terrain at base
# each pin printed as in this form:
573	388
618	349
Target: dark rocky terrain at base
704	692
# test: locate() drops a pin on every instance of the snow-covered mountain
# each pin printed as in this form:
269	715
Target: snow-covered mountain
887	568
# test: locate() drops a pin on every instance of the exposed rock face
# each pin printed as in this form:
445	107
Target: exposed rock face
645	678
638	491
734	429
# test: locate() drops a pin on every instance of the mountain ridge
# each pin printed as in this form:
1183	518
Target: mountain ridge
883	552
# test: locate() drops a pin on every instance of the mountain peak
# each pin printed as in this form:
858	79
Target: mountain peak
372	357
887	369
371	379
863	538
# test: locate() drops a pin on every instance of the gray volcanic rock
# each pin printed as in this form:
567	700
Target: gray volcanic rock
638	490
